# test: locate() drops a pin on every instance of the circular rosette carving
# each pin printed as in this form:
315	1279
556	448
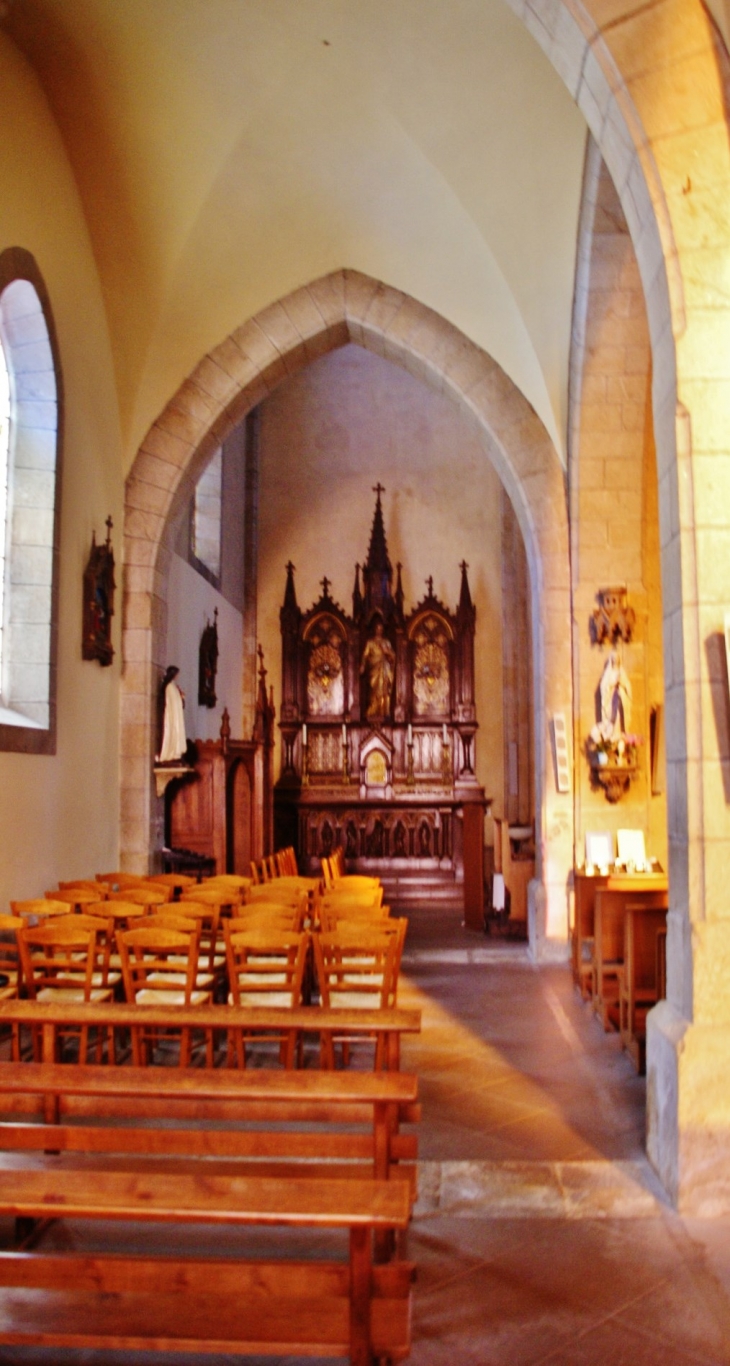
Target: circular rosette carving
324	682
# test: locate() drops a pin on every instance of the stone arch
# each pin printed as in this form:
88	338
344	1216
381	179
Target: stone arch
232	379
652	83
653	92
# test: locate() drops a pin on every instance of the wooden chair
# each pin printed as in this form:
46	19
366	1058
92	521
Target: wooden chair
11	972
178	882
78	897
357	968
90	884
330	916
171	918
142	895
225	898
264	916
355	883
40	908
265	968
286	862
227	882
368	900
10	966
104	975
270	893
160	967
62	961
119	880
211	950
295	882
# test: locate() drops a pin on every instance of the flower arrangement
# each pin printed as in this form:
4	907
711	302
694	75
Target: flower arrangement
604	749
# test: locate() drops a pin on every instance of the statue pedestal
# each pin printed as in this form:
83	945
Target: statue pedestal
167	773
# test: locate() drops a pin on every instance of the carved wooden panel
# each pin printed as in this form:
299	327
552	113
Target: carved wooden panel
239	852
192	821
325	751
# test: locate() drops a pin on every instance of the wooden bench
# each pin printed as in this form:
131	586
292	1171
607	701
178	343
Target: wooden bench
638	979
198	1099
272	1307
608	948
48	1021
193	1172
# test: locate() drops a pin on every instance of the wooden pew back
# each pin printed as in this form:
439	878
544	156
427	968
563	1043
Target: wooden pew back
608	949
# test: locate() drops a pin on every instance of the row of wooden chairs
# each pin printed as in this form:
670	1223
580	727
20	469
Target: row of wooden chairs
172	955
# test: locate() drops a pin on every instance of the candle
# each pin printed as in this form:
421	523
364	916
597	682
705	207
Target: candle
410	733
344	733
445	737
304	733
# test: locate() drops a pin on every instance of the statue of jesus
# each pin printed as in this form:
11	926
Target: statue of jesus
378	661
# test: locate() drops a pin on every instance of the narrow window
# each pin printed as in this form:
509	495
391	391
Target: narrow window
4	461
29	430
207	509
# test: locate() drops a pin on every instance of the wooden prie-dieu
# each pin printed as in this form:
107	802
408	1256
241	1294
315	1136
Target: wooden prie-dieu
378	725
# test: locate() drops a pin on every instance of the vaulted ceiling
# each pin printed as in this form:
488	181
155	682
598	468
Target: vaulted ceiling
228	151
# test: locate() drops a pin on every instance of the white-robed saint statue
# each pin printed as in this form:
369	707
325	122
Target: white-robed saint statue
174	740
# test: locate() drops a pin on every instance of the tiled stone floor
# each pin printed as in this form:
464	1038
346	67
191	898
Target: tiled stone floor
540	1235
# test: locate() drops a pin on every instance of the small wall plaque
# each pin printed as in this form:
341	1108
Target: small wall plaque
98	608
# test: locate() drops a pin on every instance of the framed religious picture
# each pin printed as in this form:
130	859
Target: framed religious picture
208	663
98	607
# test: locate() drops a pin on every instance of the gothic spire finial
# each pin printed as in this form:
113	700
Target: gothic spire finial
289	607
465	609
356	594
377	570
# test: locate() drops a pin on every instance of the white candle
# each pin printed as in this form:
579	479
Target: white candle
344	733
445	738
304	733
410	733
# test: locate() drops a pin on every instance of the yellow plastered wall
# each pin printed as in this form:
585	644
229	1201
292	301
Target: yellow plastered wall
59	814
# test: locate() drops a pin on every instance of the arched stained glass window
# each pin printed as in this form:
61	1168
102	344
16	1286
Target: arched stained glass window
29	440
4	470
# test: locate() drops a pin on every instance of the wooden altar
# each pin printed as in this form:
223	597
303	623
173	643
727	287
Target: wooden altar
378	725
